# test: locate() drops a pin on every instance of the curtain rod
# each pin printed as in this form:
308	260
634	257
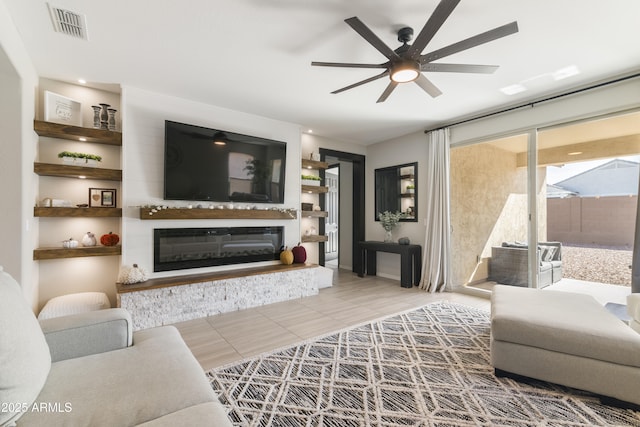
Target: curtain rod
533	103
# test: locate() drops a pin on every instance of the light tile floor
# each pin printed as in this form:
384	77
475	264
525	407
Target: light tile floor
230	337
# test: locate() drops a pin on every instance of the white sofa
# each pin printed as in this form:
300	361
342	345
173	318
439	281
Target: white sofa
568	339
88	369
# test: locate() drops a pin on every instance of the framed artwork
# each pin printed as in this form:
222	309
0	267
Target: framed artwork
102	197
60	109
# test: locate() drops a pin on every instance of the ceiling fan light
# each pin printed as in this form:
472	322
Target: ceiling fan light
405	71
404	75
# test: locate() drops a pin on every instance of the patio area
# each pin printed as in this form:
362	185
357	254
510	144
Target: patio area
600	271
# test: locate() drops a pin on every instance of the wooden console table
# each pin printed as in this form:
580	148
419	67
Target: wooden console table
410	260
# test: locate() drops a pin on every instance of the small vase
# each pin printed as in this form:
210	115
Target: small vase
388	237
104	117
112	118
96	116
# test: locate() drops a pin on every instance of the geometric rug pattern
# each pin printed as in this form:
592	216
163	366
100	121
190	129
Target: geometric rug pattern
426	367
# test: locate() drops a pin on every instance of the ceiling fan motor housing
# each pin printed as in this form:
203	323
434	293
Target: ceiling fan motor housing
405	34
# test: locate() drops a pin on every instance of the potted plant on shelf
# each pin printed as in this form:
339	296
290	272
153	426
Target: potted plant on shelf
310	180
80	159
411	188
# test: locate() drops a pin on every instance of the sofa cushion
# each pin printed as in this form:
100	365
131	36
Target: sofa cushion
156	376
564	322
24	355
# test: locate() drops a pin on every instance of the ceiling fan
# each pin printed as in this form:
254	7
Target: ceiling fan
406	63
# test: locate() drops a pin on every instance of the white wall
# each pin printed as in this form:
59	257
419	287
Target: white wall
406	149
144	114
18	84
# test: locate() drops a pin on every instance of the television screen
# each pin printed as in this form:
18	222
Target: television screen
220	166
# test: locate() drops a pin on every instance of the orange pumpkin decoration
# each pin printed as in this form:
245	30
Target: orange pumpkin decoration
286	256
110	239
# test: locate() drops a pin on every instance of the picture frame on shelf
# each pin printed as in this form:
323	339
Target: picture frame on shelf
102	198
62	110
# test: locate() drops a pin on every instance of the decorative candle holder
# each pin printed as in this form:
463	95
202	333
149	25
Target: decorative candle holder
104	117
112	118
96	116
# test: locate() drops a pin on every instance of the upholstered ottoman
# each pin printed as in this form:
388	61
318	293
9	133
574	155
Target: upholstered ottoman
564	338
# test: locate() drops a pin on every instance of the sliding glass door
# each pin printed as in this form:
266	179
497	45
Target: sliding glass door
570	192
490	210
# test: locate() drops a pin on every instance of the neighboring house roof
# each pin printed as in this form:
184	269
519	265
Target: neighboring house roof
615	178
555	192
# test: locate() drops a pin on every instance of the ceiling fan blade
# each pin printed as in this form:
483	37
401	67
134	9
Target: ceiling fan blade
370	79
474	41
369	36
458	68
437	18
427	86
347	65
390	87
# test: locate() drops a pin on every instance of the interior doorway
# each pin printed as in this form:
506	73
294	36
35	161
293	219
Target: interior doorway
332	222
349	207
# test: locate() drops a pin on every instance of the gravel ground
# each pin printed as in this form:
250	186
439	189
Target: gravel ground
597	264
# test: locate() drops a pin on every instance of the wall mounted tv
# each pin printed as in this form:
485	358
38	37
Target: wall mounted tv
220	166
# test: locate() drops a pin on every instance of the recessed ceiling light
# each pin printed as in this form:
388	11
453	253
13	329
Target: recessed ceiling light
310	131
574	153
513	89
82	81
82	177
82	138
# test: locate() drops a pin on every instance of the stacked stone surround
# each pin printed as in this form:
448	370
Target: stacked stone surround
166	305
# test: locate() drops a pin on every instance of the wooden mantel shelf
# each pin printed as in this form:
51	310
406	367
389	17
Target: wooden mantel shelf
199	213
165	282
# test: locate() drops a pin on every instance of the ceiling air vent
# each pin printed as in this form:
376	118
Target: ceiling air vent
68	22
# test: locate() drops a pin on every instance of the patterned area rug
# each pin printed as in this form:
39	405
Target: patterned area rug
428	367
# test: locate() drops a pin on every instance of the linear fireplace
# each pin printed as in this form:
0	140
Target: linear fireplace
181	248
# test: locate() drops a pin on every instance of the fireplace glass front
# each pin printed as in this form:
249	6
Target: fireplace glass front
182	248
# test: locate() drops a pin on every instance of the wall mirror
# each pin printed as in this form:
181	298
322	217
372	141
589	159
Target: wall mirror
397	190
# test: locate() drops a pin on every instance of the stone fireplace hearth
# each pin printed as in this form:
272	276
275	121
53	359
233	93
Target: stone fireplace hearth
169	300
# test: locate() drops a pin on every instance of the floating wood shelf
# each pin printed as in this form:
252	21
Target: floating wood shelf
408	195
78	212
314	238
317	189
56	130
314	164
314	214
65	171
59	253
197	213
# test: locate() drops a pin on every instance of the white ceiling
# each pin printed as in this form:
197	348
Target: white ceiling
254	55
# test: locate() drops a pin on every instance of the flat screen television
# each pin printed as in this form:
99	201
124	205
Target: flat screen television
220	166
